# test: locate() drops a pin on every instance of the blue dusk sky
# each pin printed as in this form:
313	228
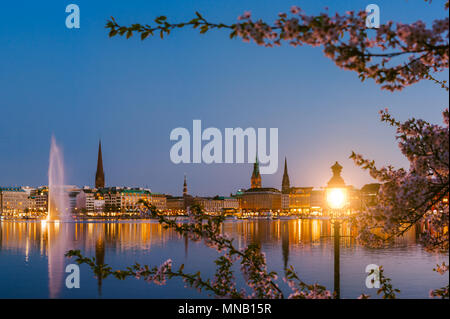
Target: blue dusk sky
81	86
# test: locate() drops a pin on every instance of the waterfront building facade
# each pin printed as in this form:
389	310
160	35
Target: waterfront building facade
85	201
175	205
261	200
317	202
111	201
130	199
300	200
159	201
112	198
39	199
230	204
209	205
14	201
179	204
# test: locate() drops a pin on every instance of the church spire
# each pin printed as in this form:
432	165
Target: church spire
185	187
99	175
285	184
256	176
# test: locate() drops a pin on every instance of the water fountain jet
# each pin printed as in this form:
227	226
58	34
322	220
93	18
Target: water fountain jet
58	199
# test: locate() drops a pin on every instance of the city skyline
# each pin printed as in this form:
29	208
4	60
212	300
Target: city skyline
83	86
60	200
255	180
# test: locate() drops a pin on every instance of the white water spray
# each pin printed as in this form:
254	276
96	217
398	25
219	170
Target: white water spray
58	199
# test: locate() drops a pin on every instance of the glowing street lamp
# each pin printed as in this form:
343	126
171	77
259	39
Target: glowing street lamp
336	197
336	194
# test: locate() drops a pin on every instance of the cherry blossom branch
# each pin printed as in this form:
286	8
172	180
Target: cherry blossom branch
415	197
344	39
253	263
156	275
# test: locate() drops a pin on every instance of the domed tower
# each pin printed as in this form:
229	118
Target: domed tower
256	177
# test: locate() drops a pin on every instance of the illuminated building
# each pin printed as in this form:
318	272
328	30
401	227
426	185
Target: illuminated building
300	200
85	200
39	196
13	201
317	201
130	197
285	201
175	205
258	199
296	200
179	205
261	200
209	205
112	200
230	203
159	201
217	204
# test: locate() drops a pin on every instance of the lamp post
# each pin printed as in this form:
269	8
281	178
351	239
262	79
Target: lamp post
337	274
336	198
336	195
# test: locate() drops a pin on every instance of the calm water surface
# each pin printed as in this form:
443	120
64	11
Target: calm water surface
32	262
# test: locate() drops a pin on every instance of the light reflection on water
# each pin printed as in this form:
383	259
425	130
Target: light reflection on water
32	262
